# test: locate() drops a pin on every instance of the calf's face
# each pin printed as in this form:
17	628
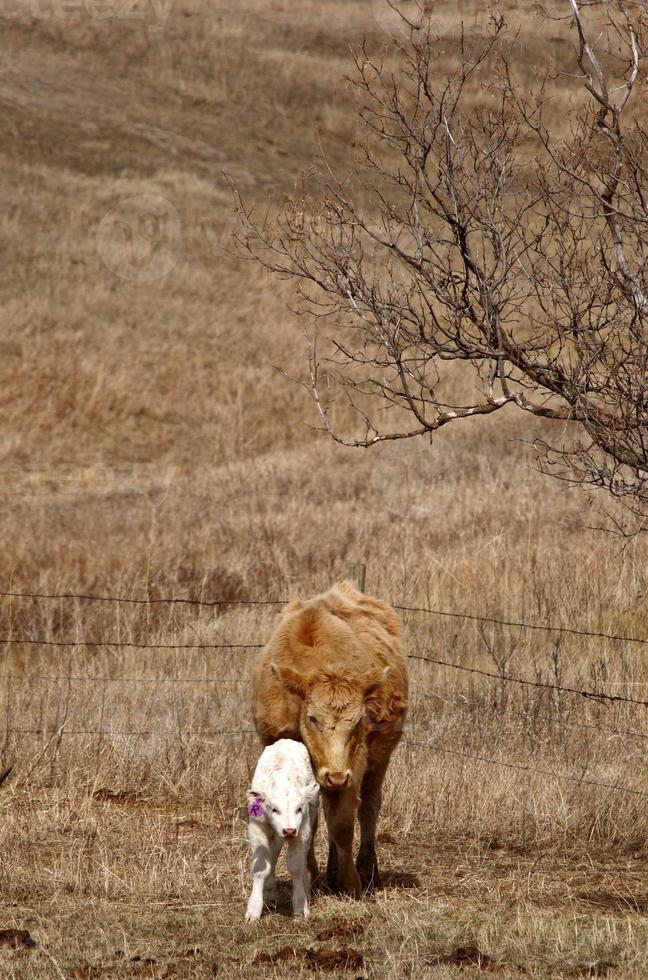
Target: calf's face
284	808
332	721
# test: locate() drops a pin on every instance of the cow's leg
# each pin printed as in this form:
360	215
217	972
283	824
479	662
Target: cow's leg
332	865
368	811
332	870
311	860
340	810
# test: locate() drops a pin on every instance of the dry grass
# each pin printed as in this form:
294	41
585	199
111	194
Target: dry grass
148	448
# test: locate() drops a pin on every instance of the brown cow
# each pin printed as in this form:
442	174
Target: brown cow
333	676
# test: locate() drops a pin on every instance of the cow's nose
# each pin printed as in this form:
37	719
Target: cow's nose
336	780
289	832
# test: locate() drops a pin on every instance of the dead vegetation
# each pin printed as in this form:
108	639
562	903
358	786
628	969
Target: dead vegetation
143	454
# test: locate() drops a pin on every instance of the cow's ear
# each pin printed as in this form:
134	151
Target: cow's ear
379	726
291	680
373	679
307	625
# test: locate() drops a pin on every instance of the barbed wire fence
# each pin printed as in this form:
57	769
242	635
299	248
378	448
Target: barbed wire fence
357	573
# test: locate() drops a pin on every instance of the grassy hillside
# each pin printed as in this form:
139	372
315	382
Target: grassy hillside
150	446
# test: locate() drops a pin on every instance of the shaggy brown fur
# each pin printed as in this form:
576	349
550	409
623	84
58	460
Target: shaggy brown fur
333	675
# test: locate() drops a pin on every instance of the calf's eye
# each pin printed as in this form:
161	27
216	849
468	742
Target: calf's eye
313	720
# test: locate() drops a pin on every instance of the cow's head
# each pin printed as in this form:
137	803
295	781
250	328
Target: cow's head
333	722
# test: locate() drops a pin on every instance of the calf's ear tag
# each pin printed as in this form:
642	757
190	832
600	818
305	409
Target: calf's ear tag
255	809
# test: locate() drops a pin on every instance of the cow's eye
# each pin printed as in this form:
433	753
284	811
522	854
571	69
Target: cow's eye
313	720
299	809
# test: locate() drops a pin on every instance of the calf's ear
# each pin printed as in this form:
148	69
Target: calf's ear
291	680
311	793
373	679
252	796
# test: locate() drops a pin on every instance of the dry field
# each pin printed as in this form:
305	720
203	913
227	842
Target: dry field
149	448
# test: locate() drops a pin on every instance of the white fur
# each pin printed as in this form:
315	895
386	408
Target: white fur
284	781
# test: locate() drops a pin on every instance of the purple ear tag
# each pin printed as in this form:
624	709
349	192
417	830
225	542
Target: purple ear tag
255	809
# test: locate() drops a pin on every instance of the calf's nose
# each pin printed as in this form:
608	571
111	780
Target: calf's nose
336	780
290	832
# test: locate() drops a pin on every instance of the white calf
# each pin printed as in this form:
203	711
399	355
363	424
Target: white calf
283	805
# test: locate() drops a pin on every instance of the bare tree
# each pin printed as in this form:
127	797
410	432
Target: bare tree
503	229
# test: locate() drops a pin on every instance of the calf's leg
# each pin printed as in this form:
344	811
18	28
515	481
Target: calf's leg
270	886
340	810
261	846
296	861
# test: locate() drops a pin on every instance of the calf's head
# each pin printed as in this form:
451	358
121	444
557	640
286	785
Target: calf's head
332	721
284	806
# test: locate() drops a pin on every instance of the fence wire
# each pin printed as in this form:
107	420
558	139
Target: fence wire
127	644
109	733
554	719
527	682
501	677
180	600
184	600
524	767
61	731
101	679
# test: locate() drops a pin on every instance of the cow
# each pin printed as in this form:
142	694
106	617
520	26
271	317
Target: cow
333	675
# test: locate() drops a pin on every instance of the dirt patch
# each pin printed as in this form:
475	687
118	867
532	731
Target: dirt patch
136	966
141	968
346	958
466	956
615	901
600	968
340	931
285	953
16	939
385	838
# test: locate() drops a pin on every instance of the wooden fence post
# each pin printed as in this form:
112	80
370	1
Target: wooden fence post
357	574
